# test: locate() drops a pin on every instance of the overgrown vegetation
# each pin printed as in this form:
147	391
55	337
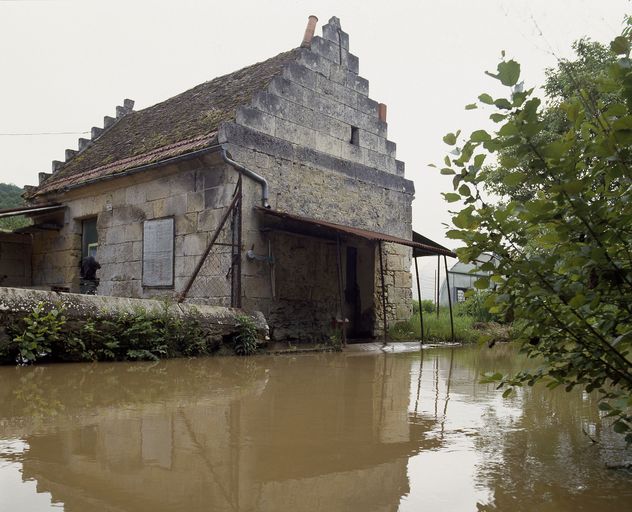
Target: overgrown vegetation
561	229
245	341
46	334
472	323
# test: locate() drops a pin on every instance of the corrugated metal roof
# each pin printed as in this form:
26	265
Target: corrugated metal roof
299	224
42	208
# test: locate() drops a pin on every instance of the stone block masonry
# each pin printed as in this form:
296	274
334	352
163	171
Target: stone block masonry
298	135
194	193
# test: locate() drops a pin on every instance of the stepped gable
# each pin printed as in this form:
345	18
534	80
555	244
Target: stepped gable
179	125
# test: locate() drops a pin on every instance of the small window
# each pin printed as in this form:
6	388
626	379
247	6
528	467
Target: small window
89	237
355	136
158	252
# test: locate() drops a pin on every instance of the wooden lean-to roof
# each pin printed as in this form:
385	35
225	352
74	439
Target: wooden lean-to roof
182	124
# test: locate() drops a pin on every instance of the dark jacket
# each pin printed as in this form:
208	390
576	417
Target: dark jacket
89	267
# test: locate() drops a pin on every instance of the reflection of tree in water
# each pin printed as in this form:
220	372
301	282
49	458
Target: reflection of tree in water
542	459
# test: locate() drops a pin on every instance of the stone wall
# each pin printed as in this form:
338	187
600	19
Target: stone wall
15	259
305	279
194	193
16	303
298	135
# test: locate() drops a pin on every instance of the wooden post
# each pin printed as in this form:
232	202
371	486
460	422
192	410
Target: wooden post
421	313
383	292
340	291
447	283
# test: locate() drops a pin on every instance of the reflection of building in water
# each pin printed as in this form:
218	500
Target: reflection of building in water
324	433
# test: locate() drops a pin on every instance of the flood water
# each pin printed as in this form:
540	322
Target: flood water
325	432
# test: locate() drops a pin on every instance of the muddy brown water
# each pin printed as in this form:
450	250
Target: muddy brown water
325	432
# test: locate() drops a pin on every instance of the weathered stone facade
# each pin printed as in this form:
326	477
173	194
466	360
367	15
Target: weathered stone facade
315	135
15	259
298	135
194	193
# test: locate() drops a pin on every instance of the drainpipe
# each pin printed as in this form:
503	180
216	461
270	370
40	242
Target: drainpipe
251	174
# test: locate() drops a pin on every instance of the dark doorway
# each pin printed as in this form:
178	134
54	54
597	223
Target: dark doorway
353	304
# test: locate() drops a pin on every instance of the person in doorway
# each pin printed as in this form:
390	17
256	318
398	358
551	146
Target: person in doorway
88	274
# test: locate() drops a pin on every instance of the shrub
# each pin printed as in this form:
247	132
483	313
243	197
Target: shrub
39	332
139	335
427	306
245	341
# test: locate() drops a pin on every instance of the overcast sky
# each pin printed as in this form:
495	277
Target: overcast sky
65	64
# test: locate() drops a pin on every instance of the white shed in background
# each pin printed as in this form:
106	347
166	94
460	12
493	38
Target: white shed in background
462	277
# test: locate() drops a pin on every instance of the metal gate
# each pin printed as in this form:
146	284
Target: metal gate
216	279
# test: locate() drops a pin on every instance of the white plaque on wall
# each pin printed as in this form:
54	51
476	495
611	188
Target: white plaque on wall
158	245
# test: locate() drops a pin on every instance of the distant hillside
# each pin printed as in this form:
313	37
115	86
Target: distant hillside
11	197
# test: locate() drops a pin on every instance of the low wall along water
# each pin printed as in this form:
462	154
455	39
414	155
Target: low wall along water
43	325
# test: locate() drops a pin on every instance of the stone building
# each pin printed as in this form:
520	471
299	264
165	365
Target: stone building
274	188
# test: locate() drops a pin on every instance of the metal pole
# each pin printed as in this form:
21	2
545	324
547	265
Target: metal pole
421	313
340	290
447	283
383	292
438	281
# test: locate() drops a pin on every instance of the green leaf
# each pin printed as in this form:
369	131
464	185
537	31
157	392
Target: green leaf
507	392
471	106
486	98
447	171
451	197
491	377
497	118
573	187
605	406
503	103
482	283
514	179
577	301
479	160
508	73
450	139
480	136
620	45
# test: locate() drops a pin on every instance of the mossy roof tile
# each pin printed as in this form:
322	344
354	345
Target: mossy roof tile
179	125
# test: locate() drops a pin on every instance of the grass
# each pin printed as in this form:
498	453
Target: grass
466	329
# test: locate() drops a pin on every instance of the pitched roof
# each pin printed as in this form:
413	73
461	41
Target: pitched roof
179	125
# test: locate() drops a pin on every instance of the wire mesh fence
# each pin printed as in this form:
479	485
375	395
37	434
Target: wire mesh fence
216	279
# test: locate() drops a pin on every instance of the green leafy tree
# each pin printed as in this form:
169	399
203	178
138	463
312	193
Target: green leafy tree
586	72
11	197
562	230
